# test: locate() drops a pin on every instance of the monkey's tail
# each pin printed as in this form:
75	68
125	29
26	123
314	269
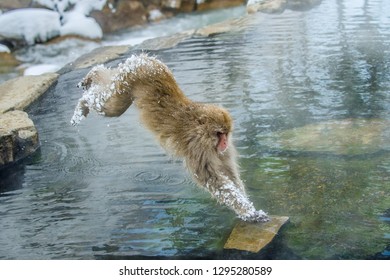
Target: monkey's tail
110	92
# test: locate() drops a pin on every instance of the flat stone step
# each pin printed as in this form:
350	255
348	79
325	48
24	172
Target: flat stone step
253	237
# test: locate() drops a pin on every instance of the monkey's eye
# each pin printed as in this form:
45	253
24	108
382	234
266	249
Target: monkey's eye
220	134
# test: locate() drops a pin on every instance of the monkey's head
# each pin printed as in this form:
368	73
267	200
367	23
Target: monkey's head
205	142
218	126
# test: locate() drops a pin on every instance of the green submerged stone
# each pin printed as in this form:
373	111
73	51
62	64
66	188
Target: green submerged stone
342	137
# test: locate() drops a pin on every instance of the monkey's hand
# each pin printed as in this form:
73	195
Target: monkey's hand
256	216
236	199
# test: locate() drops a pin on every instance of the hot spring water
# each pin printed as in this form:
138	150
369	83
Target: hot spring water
105	189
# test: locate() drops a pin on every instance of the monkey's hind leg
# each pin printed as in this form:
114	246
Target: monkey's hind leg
101	95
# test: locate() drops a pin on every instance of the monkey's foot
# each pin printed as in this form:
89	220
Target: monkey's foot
98	89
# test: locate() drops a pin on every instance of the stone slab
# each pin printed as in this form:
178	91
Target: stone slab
18	137
20	92
253	237
97	56
346	137
230	25
165	42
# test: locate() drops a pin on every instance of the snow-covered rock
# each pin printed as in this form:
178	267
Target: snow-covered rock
74	16
30	25
36	25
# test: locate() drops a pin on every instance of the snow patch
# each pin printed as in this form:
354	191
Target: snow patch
41	69
112	8
4	49
78	24
55	5
155	15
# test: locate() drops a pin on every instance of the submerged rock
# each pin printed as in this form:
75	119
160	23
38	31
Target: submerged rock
165	42
231	25
343	137
302	5
18	137
253	237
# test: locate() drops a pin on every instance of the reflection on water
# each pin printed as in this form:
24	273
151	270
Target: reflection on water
106	190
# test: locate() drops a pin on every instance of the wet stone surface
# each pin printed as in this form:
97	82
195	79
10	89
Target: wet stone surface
18	93
253	237
18	137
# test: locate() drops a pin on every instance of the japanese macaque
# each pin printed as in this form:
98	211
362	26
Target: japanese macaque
201	134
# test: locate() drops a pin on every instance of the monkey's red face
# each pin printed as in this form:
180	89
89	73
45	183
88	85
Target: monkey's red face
214	126
222	142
